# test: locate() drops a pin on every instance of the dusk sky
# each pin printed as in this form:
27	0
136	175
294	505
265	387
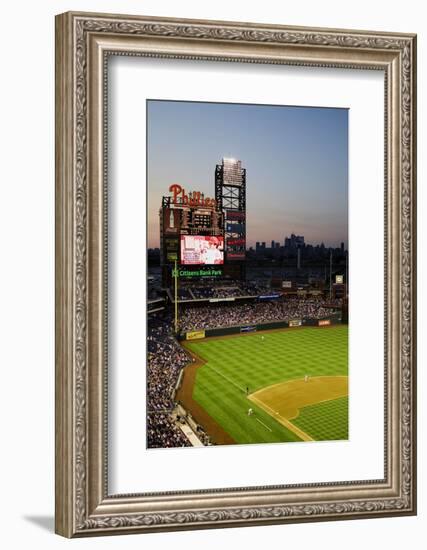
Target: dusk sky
296	161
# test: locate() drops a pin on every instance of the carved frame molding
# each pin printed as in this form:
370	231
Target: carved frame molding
83	44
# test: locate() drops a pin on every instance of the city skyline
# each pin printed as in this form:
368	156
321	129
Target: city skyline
282	245
296	160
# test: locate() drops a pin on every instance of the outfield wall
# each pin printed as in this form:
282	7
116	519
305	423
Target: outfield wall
245	329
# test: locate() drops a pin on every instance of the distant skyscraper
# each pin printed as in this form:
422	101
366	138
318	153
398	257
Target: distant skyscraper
294	241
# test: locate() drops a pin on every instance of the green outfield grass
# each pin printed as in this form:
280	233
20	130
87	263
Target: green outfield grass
334	415
261	359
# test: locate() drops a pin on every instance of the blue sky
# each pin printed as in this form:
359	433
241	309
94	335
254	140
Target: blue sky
296	159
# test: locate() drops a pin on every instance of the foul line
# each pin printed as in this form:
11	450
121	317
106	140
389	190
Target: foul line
280	419
304	436
265	425
228	379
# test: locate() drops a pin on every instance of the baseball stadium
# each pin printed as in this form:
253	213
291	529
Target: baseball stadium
244	345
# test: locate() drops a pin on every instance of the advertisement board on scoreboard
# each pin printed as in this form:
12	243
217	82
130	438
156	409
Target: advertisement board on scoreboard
236	228
171	220
202	250
234	215
236	242
236	256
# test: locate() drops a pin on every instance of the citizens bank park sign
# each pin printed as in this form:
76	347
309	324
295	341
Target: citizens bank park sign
199	272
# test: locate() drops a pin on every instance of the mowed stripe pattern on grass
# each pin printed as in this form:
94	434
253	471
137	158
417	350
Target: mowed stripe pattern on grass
334	420
259	360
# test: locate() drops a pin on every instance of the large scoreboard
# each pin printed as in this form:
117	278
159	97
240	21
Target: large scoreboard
197	231
191	235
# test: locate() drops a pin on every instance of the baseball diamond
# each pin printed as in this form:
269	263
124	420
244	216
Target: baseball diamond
294	380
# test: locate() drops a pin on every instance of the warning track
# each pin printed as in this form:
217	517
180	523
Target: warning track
185	396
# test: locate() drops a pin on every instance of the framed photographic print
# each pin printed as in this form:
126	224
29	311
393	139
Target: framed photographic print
237	296
235	274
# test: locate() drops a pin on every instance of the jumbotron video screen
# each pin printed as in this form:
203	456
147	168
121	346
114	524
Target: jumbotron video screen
202	250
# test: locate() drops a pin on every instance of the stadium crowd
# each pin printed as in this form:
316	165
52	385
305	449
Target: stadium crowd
195	318
234	289
166	359
163	432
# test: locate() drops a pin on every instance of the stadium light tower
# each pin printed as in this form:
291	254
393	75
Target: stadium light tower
230	194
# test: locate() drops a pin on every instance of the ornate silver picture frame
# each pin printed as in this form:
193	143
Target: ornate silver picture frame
84	43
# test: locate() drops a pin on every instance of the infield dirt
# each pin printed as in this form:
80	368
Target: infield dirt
283	401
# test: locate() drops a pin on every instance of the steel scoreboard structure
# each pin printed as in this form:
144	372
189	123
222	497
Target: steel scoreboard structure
230	194
205	237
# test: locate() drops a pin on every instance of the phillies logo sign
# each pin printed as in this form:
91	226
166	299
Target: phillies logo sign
194	198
